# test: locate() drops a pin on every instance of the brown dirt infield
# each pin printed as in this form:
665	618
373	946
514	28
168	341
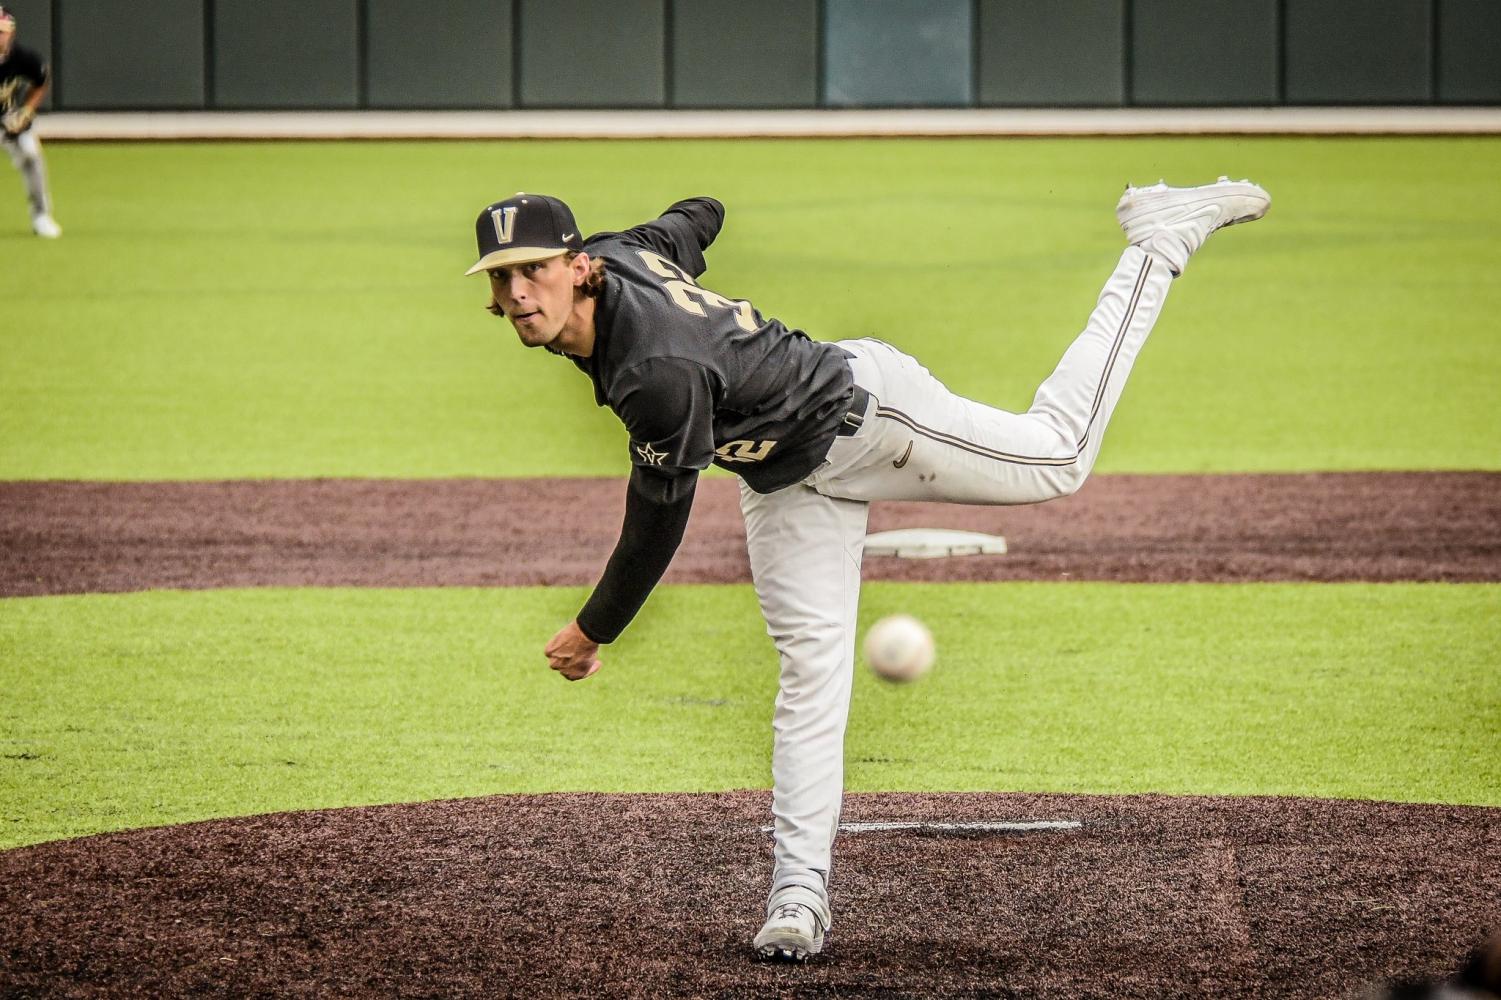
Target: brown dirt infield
658	896
652	895
86	537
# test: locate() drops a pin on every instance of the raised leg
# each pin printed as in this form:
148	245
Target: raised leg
923	442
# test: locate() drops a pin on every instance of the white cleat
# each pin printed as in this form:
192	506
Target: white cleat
1173	223
792	932
46	227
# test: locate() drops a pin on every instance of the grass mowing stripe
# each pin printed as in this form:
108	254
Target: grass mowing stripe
261	310
131	710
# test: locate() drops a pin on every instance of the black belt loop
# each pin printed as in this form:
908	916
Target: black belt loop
859	403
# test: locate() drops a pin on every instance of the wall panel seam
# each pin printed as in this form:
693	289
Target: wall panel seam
1280	12
362	54
516	53
974	53
55	73
669	48
820	57
1434	48
210	98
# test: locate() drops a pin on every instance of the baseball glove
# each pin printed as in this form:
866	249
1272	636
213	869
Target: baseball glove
17	119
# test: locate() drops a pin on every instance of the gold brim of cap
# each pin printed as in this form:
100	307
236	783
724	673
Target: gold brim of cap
515	255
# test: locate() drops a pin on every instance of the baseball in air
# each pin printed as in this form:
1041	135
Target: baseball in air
899	648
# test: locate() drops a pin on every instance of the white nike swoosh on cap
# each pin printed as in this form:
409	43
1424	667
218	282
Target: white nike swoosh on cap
567	236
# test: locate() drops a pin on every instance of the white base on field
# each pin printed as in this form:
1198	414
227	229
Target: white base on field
933	543
975	826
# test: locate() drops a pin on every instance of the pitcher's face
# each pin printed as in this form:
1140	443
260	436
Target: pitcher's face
538	296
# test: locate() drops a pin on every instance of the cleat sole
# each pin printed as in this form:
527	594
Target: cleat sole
774	954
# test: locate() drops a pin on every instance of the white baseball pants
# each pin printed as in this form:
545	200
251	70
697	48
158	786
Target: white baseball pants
25	153
919	441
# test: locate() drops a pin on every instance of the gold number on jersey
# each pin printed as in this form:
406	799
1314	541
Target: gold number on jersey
688	296
744	451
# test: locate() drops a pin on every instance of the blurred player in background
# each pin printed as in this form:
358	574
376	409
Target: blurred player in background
23	87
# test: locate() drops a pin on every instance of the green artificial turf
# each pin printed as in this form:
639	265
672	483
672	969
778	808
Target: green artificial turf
132	710
296	309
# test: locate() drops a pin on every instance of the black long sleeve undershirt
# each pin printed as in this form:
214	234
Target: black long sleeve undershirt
656	512
667	405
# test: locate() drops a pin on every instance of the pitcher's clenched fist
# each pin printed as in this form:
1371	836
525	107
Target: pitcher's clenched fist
572	653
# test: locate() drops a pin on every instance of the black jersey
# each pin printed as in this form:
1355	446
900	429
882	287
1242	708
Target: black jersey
20	72
698	379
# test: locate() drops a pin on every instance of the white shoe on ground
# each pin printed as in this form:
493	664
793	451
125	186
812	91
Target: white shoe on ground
46	227
792	932
1174	222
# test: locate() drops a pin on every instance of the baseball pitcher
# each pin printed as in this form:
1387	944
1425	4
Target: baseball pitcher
815	431
23	87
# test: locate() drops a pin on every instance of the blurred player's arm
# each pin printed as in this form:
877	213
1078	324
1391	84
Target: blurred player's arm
19	117
39	88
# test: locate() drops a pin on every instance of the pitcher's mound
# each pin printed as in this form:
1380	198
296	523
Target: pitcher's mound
659	895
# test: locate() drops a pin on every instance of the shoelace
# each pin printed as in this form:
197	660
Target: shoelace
789	911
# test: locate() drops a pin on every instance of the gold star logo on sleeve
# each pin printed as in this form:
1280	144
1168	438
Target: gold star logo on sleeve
650	455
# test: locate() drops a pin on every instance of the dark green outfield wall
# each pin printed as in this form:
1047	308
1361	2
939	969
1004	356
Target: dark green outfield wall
339	54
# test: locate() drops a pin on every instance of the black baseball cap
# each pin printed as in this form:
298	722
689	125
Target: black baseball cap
524	227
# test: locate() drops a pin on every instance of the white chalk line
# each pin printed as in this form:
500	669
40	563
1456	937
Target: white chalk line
977	826
131	125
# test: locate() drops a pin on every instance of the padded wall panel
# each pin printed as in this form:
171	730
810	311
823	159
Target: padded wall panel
285	53
1052	53
912	53
1359	51
732	54
593	53
1204	52
454	54
122	54
1469	51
